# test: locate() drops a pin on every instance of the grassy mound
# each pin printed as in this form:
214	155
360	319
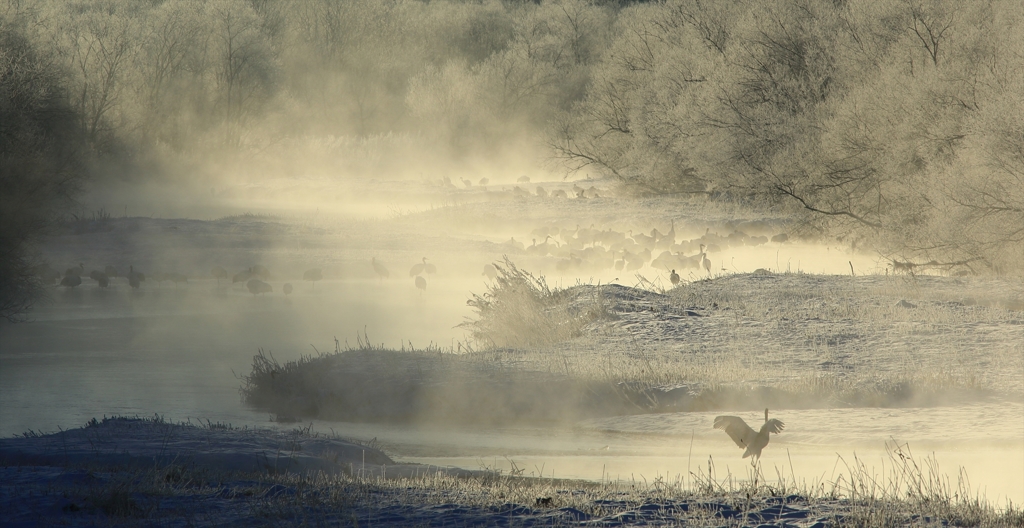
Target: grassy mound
733	343
375	384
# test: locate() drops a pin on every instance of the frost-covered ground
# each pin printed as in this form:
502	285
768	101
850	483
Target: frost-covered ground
151	473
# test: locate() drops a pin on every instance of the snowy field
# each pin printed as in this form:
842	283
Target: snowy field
624	394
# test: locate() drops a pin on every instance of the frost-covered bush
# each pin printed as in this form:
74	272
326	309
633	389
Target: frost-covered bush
520	310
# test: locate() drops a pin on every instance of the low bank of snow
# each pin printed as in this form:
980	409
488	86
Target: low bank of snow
148	472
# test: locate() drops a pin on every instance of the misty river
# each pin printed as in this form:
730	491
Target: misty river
179	352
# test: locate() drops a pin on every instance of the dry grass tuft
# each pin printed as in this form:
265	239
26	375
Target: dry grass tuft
520	310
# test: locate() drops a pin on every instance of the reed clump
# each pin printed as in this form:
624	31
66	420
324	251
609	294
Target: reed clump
520	310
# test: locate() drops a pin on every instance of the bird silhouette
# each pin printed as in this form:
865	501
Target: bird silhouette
421	283
73	276
745	437
135	278
418	268
261	272
490	271
242	276
71	280
668	239
287	288
75	271
674	278
101	278
379	269
257	286
313	275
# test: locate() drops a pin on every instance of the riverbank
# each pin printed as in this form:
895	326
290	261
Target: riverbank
125	472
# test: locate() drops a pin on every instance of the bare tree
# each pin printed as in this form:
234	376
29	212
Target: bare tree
243	61
170	65
99	47
931	23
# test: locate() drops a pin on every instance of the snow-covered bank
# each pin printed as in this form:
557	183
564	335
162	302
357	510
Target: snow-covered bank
152	442
149	472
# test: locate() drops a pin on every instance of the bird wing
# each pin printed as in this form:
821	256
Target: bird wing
736	428
773	426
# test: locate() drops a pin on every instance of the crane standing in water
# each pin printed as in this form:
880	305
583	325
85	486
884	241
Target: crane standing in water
422	267
745	437
313	275
135	278
379	269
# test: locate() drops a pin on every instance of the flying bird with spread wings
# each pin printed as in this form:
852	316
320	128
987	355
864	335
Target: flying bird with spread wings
745	437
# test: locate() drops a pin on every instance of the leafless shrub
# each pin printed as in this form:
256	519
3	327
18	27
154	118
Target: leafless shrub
520	310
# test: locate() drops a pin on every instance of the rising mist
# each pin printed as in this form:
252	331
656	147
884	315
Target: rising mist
567	232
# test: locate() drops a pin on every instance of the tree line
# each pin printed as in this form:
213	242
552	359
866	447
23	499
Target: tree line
894	124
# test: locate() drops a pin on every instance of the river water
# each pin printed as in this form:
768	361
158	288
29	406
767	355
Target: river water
178	352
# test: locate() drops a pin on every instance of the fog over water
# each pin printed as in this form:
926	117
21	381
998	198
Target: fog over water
179	350
840	206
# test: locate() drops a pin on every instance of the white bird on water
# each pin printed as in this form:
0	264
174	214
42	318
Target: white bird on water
745	437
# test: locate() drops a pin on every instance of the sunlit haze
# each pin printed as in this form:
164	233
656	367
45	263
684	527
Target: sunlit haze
549	239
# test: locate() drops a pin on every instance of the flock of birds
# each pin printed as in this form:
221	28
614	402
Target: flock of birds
417	272
521	193
256	278
592	249
580	249
72	277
